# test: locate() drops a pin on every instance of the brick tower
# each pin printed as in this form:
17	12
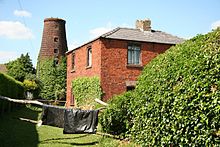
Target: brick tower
54	44
51	64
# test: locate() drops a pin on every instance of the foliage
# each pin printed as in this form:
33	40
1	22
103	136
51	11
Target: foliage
20	67
118	118
181	89
178	96
33	85
53	78
30	85
86	89
10	87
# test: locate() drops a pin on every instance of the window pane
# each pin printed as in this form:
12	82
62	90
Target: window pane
129	57
56	51
133	54
136	57
73	61
89	57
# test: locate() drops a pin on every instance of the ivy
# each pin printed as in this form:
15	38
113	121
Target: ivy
53	78
177	98
86	89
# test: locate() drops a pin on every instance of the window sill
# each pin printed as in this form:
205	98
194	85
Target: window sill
88	67
73	70
134	66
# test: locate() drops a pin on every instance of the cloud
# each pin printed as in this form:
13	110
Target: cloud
22	13
14	30
74	44
100	30
216	24
6	56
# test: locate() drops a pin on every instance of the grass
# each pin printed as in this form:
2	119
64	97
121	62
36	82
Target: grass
19	133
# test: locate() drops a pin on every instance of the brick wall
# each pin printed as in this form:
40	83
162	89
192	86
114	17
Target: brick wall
54	37
81	69
109	62
115	71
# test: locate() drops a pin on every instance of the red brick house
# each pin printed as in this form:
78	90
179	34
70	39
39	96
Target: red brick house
117	57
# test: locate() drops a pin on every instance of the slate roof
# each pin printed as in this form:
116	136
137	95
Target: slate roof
145	36
138	35
3	68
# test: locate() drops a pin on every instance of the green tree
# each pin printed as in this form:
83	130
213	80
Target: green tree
20	67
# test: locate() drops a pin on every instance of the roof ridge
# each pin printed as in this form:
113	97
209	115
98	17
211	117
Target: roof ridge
135	34
110	32
152	30
172	35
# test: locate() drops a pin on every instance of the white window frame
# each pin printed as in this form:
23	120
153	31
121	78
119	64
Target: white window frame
134	54
89	57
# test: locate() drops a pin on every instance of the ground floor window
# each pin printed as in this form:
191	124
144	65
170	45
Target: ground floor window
129	88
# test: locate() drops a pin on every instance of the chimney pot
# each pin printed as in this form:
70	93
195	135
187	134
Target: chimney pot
143	25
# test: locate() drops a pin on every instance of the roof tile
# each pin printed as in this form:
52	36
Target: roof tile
145	36
138	35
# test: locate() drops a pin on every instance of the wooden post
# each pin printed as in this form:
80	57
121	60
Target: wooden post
101	102
21	101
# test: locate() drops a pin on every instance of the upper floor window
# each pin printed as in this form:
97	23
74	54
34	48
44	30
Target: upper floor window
55	39
56	51
89	57
73	60
134	51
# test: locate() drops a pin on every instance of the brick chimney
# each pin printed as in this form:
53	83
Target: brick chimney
143	25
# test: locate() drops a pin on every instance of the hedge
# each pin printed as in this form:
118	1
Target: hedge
10	87
177	98
118	118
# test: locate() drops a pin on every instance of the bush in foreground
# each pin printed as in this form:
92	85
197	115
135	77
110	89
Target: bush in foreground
118	118
178	96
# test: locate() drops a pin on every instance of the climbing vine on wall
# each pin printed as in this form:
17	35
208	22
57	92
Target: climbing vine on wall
53	78
86	89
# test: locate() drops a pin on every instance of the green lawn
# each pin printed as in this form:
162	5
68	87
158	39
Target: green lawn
19	133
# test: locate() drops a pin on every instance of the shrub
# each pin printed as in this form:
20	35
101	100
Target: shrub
182	93
118	117
86	89
10	87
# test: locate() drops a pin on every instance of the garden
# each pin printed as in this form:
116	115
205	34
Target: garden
19	128
175	103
